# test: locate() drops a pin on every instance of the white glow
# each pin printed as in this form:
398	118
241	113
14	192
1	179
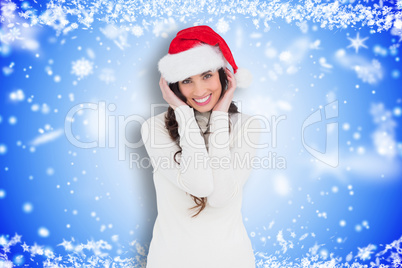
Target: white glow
281	184
43	232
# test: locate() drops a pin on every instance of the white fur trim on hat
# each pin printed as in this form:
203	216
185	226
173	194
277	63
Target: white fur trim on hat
243	78
199	59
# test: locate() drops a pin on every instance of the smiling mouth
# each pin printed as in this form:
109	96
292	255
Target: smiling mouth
203	101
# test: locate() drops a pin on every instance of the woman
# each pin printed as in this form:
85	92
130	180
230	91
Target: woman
200	151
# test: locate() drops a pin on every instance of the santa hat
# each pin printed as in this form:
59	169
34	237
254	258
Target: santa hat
196	50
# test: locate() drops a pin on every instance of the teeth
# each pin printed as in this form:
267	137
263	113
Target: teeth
202	100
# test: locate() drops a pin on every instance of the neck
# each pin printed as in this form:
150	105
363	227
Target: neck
202	119
202	113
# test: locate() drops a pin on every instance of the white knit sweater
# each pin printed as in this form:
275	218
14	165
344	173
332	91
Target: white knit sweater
216	169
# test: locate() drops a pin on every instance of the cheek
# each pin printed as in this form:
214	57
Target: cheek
217	87
184	90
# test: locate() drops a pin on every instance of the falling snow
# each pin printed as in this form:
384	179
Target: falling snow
82	67
96	253
137	31
356	43
107	75
123	24
329	15
384	136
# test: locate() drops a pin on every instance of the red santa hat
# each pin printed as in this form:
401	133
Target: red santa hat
196	50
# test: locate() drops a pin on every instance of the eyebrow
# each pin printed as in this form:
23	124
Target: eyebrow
204	73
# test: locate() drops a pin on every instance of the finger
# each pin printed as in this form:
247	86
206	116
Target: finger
228	72
163	84
161	81
234	80
232	83
231	77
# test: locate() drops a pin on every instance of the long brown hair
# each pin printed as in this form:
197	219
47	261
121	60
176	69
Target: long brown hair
172	127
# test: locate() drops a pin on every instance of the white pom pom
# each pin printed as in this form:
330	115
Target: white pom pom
243	78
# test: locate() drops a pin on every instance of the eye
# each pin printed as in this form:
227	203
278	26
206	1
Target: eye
207	76
186	81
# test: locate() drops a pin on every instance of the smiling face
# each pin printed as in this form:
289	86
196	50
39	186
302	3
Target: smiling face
202	91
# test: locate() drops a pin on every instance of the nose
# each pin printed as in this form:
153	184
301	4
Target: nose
199	90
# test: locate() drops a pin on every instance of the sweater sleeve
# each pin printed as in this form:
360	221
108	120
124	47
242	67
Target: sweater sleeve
231	166
193	174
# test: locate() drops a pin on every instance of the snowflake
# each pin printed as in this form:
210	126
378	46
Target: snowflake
82	67
7	264
384	135
6	249
364	253
48	253
397	32
118	35
13	34
396	259
3	241
87	20
15	240
25	15
25	247
357	42
67	245
36	250
222	26
107	75
112	31
8	10
137	31
370	73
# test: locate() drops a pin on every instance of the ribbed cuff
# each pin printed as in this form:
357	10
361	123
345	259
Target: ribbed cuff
188	129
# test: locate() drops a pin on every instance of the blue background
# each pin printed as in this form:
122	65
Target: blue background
92	194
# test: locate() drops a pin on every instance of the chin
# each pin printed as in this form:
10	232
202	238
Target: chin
202	110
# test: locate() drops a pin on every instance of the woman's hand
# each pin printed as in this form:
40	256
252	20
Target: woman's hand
224	103
168	95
